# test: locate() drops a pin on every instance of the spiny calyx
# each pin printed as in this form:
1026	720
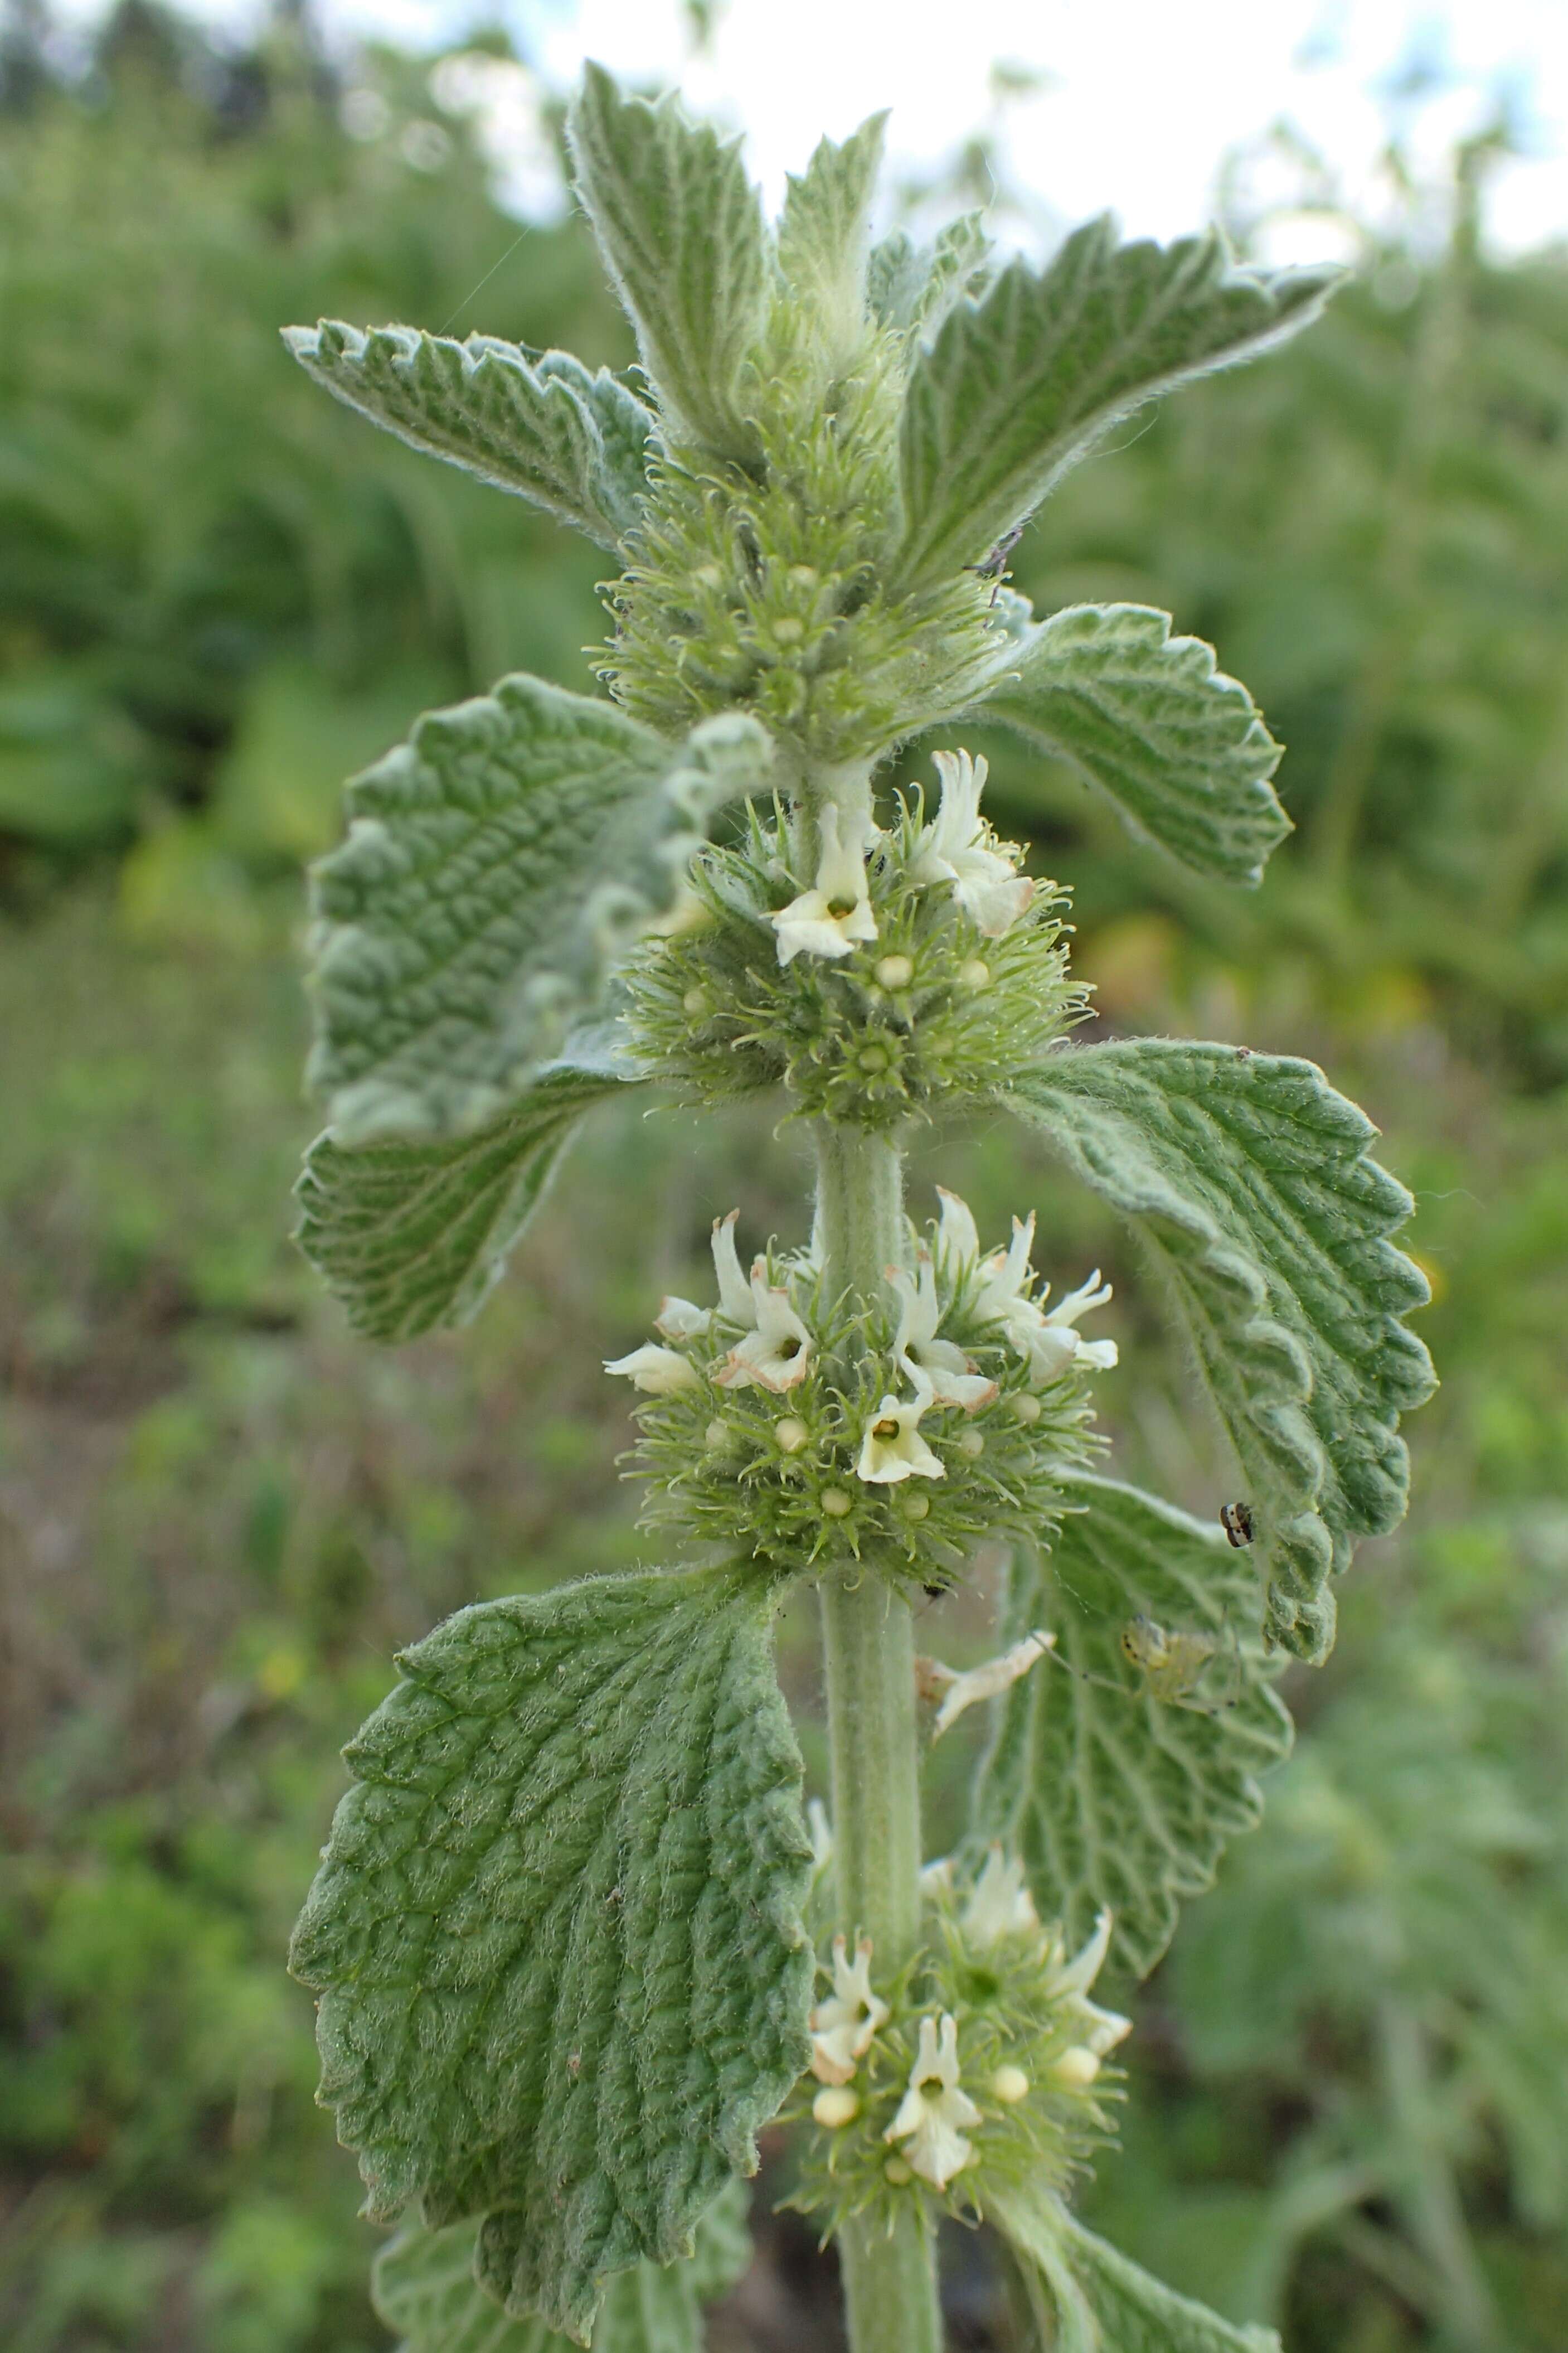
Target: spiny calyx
875	973
791	1423
979	2065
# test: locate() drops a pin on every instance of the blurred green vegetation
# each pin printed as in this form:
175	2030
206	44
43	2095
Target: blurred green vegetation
219	1515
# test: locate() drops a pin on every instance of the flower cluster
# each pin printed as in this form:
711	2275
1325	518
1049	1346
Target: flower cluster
983	2060
872	974
787	1424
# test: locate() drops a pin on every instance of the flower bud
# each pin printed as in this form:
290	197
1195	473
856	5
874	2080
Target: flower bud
789	1435
837	1504
1078	2067
1010	2085
835	2107
894	972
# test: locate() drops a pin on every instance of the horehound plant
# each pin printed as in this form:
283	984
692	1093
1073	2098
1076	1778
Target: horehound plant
573	1940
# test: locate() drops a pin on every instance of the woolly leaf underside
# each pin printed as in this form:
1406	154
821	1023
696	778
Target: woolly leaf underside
495	866
539	422
410	1237
1116	1800
1179	747
424	2287
1021	380
556	1931
1082	2297
1250	1182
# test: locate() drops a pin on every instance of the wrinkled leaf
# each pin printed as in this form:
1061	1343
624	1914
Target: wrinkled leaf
1250	1181
1083	2296
495	866
823	238
1117	1800
423	2286
1020	383
682	235
1180	748
556	1930
539	422
413	1236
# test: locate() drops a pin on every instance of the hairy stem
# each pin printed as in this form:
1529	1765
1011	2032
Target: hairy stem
890	2279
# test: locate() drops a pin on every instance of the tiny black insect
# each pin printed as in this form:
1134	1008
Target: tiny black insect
1236	1519
994	565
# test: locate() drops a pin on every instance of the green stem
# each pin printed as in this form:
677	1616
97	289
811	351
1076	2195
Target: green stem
890	2278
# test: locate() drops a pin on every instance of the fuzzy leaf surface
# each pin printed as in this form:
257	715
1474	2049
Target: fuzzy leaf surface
556	1931
823	238
1117	1800
1179	747
1084	2297
412	1236
683	238
1251	1183
423	2286
911	286
1021	382
539	422
495	866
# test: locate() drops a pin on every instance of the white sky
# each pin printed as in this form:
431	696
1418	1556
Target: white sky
1143	97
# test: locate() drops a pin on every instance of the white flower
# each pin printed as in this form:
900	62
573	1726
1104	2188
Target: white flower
941	1365
1100	1354
1067	1981
681	1319
777	1352
1004	1298
660	1371
1048	1342
734	1291
828	919
1000	1905
957	1239
985	1681
844	2028
821	1831
934	2112
953	849
892	1448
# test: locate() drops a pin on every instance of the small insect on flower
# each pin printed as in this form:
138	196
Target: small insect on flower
1236	1519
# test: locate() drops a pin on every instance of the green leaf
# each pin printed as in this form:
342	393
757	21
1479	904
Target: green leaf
912	286
1250	1180
1086	2297
495	867
1180	748
410	1237
683	238
539	422
1019	384
556	1930
823	239
423	2286
1117	1800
